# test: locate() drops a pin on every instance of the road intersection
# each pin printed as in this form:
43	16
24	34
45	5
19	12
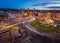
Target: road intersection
28	25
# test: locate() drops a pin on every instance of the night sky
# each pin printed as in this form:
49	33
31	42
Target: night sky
29	4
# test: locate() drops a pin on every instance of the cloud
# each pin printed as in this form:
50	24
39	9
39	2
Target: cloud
55	1
51	4
43	4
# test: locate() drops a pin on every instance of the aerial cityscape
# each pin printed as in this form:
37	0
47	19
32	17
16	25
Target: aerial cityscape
22	26
29	21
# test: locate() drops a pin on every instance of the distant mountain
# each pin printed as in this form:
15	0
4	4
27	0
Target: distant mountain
5	9
54	7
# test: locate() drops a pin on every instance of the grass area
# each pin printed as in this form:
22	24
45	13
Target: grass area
58	22
46	28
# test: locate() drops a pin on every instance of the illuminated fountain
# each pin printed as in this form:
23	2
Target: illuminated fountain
47	19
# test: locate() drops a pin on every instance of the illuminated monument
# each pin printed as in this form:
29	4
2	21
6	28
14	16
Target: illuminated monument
47	18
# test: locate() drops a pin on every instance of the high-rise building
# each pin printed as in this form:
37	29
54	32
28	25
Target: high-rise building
28	12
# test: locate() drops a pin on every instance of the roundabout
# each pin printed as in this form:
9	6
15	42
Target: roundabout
35	29
46	28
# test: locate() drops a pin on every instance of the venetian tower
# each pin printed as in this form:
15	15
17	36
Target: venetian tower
34	11
22	12
28	12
